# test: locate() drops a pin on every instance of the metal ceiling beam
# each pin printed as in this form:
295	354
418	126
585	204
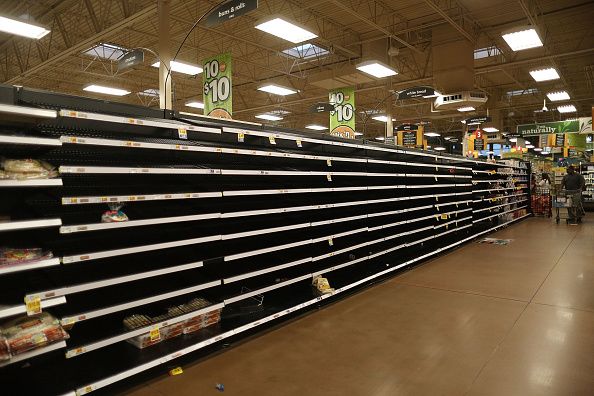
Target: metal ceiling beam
375	26
444	15
88	42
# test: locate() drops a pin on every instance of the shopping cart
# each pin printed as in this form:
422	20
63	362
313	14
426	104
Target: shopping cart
571	201
541	202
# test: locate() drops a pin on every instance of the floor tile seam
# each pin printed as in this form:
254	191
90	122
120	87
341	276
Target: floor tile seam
553	267
564	307
496	348
459	291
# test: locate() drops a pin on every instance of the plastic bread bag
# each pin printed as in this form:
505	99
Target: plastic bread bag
114	215
23	169
15	256
30	332
4	350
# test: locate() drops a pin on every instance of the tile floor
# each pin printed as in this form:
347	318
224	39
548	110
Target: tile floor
483	320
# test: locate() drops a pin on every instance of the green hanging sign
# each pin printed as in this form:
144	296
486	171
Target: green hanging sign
218	95
545	128
342	118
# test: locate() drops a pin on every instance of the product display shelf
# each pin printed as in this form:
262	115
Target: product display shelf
231	221
587	170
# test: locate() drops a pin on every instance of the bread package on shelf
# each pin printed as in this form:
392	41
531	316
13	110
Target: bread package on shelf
31	332
23	169
114	215
10	257
187	326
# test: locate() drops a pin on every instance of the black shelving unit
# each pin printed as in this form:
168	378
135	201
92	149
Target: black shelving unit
233	213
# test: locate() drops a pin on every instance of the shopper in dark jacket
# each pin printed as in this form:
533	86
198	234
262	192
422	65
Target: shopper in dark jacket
573	181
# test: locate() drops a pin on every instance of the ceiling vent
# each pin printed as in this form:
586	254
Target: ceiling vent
456	100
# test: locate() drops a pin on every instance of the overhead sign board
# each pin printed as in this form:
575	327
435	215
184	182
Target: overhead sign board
545	128
407	127
409	138
560	140
391	140
416	92
132	58
321	107
477	120
216	77
342	117
229	10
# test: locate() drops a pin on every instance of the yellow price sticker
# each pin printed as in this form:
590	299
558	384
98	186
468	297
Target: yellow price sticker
271	139
240	137
444	216
329	177
329	162
155	334
298	143
33	305
176	371
182	133
331	242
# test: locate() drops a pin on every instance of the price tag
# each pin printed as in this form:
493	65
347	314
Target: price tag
271	139
182	133
329	177
240	137
33	305
329	162
444	216
155	334
331	242
298	143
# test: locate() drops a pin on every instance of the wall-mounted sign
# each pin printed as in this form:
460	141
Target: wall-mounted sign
409	138
478	134
412	137
416	92
321	107
477	120
407	127
132	58
229	10
479	144
391	140
342	117
545	128
218	97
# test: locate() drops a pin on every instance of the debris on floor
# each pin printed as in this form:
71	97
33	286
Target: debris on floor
495	241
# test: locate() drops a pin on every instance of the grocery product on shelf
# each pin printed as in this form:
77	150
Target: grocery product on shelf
10	257
31	332
322	285
24	169
114	215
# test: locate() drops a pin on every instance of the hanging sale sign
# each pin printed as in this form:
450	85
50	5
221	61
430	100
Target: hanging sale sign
407	127
342	118
218	97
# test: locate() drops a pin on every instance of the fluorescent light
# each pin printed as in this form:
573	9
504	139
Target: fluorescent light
316	127
150	92
537	149
448	137
544	74
527	142
381	118
277	90
181	67
529	146
490	129
513	140
376	69
20	28
269	117
522	39
380	138
566	109
557	96
432	134
196	105
106	90
358	134
467	108
428	147
439	148
279	27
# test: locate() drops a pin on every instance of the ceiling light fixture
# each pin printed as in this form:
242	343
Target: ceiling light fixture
196	105
520	39
566	109
490	129
106	90
316	127
537	149
529	146
278	26
557	96
269	117
358	134
382	118
513	140
432	134
376	69
277	90
21	28
544	74
439	148
380	138
465	109
181	67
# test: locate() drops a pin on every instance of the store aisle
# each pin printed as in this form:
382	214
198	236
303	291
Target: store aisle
482	320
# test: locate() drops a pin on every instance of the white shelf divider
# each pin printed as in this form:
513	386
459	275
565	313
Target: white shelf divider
35	352
52	262
29	224
31	183
7	311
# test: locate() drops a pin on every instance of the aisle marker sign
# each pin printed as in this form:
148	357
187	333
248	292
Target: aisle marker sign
342	118
217	85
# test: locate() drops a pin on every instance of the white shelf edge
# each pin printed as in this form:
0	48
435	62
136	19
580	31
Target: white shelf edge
140	198
29	224
266	270
30	266
31	183
68	229
28	140
35	352
266	289
21	309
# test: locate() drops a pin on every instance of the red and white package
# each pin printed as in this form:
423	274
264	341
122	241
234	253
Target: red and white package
30	332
